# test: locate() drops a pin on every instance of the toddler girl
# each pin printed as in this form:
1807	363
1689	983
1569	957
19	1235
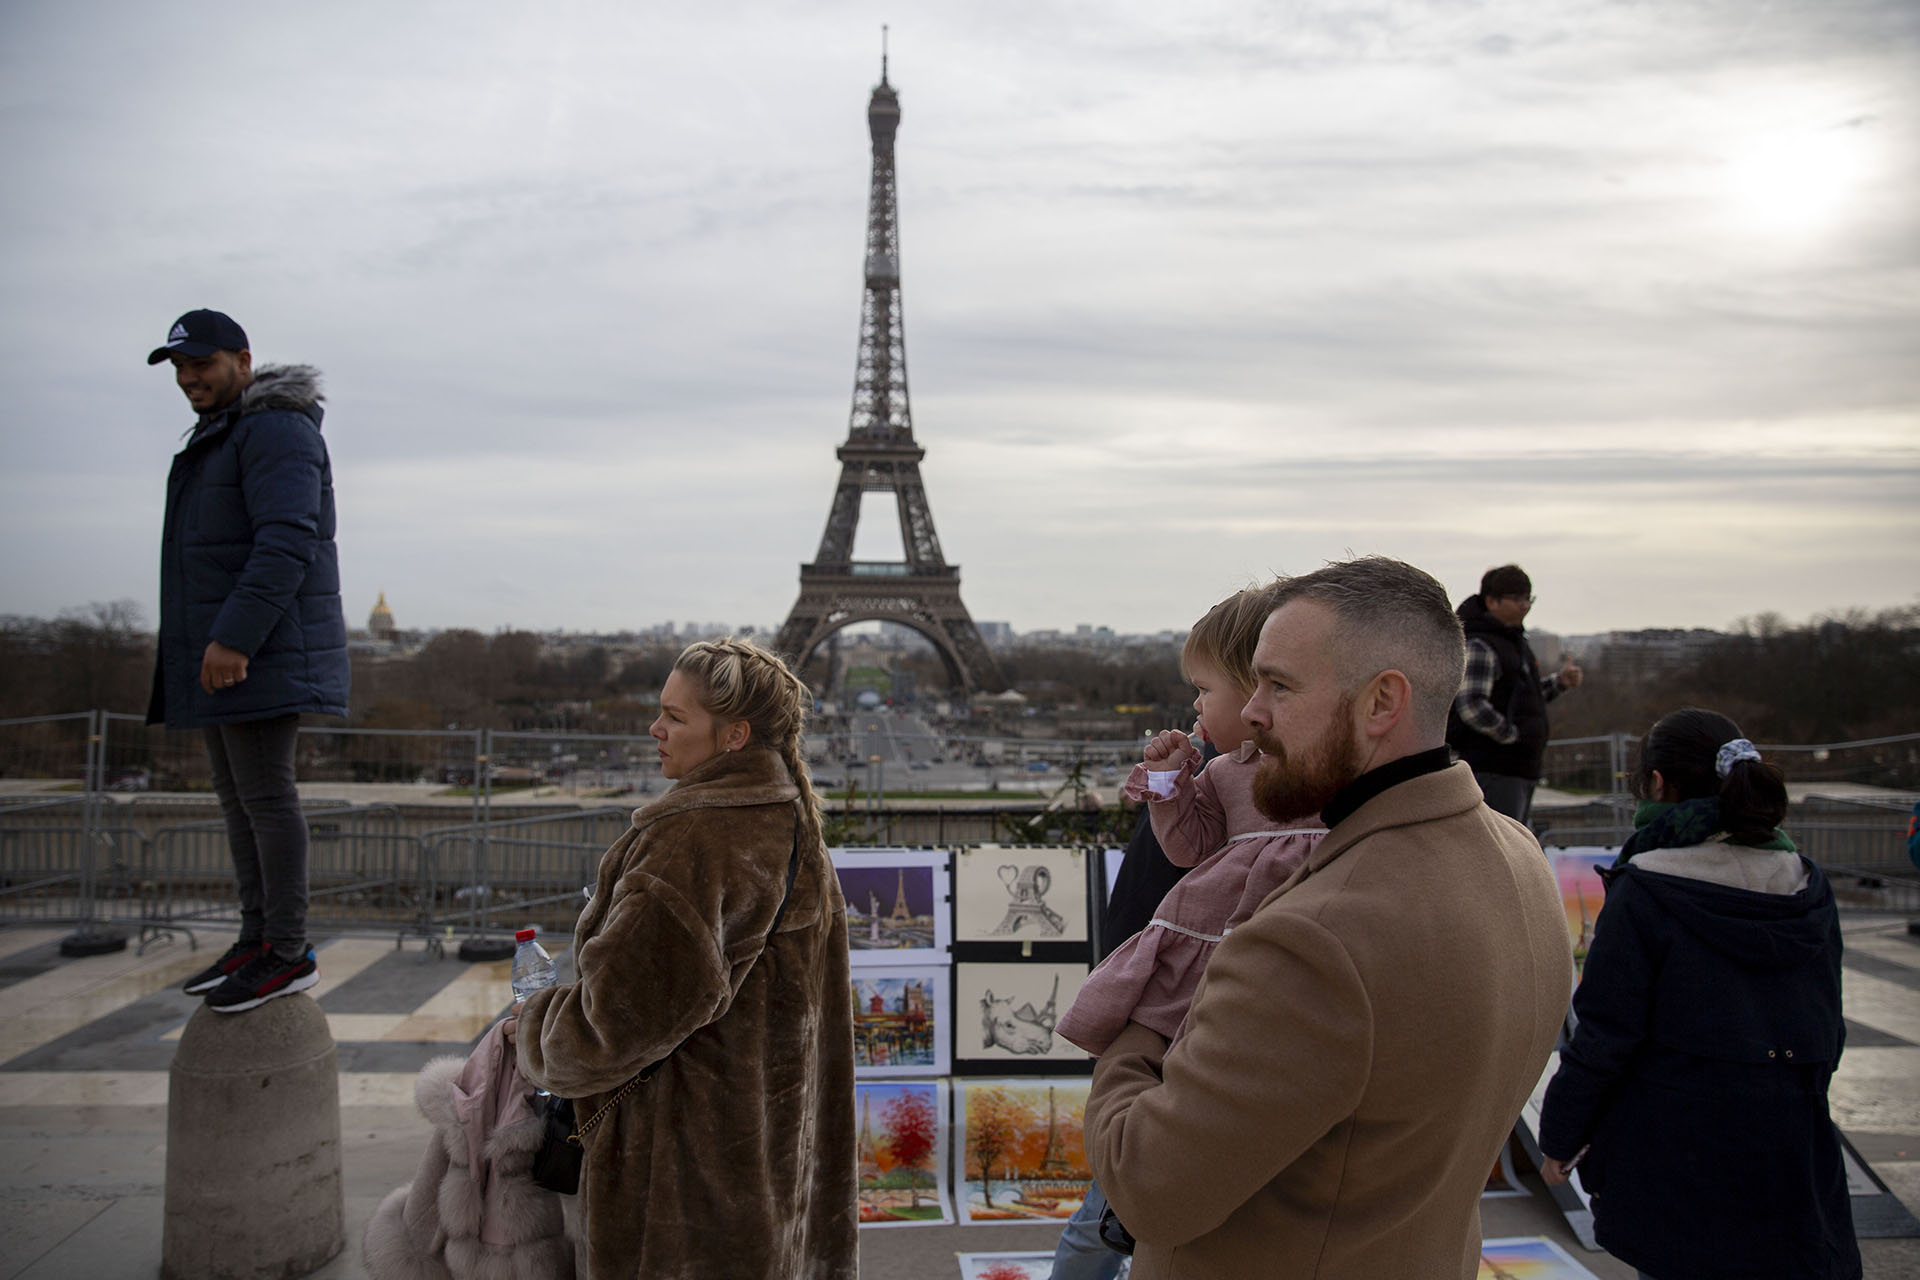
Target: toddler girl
1204	818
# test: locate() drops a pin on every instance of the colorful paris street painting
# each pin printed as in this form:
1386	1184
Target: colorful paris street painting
1023	1156
1528	1258
903	1153
1034	1265
896	904
1581	893
901	1021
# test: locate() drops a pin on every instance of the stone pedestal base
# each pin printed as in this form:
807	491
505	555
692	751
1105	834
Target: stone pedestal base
253	1146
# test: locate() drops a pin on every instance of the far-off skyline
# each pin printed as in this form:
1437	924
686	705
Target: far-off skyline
1629	295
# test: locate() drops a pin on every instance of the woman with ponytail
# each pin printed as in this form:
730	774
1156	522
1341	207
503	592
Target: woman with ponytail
1693	1095
710	1020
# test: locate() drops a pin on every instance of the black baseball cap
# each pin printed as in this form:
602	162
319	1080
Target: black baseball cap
201	333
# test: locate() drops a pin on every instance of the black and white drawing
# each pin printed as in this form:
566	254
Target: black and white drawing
1006	893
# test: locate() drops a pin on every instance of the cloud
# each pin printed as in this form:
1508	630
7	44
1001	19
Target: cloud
1247	285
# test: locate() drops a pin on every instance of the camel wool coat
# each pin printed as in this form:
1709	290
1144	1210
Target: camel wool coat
737	1158
1356	1054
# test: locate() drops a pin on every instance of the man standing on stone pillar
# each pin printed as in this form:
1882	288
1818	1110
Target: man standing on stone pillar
252	632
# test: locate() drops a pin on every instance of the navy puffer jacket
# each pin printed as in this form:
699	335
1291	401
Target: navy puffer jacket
1709	1028
247	558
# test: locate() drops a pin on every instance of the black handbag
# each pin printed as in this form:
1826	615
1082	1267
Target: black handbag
563	1147
556	1165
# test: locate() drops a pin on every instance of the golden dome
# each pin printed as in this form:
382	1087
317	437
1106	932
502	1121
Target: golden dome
381	619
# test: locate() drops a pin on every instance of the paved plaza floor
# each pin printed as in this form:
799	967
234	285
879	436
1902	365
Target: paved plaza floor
85	1045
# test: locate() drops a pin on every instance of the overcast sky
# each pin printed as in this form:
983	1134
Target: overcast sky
1195	294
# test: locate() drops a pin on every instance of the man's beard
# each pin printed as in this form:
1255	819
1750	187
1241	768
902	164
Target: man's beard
1286	788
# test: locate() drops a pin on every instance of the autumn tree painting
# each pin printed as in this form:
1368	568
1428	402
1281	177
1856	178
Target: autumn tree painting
911	1130
1005	1271
997	1119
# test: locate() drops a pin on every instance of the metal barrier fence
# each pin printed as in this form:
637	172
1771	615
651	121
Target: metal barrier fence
428	833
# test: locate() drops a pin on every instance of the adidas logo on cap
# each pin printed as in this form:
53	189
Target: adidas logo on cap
179	333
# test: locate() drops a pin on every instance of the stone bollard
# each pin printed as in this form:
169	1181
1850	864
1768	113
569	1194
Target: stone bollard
253	1146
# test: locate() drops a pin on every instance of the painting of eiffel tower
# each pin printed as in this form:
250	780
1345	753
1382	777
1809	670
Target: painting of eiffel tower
921	591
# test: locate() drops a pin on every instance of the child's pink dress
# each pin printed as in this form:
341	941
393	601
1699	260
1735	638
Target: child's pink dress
1238	857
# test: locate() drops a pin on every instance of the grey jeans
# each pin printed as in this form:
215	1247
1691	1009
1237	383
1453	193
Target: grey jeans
253	776
1508	795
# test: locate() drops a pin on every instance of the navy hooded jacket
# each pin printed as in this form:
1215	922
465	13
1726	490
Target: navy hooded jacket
1709	1027
247	558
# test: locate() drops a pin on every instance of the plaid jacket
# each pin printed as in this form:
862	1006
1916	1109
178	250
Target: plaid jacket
1475	700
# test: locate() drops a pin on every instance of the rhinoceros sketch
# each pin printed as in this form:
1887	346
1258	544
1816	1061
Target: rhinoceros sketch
1022	1030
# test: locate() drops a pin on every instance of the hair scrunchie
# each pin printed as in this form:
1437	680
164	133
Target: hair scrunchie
1733	753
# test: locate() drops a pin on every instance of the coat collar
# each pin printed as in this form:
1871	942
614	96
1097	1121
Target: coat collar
730	779
1427	798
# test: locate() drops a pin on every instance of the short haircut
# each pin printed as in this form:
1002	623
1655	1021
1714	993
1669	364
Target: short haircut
1389	615
1227	635
1507	580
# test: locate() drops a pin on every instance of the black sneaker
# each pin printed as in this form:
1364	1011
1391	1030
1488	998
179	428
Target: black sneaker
223	968
262	978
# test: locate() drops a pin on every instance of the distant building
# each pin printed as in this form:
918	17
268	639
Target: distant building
380	621
1639	655
997	634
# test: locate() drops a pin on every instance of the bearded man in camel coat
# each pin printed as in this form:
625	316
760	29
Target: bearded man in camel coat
1358	1049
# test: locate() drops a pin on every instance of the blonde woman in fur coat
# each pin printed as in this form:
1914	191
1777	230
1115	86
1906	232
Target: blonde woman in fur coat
713	956
472	1211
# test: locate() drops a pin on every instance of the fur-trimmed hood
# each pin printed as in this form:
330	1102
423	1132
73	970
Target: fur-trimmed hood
283	386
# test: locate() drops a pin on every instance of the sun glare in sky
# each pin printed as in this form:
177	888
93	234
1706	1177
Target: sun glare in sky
1798	180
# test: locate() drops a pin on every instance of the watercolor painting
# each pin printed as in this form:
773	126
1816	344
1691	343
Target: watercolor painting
1015	893
1017	1005
903	1153
901	1021
1007	1266
1022	1153
1528	1258
896	904
1581	893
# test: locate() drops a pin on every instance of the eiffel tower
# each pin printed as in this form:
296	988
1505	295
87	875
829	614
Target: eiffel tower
880	456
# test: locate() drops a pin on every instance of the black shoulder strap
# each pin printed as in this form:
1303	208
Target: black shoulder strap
793	869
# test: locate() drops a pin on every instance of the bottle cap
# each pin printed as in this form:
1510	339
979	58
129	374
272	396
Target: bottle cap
525	935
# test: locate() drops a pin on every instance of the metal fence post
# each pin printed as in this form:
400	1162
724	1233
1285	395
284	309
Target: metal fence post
89	939
477	946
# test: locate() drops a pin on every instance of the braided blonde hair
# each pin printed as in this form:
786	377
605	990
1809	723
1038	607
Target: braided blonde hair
738	680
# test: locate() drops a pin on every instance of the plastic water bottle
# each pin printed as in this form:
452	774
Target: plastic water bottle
532	966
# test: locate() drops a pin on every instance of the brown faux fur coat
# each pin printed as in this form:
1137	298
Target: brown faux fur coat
737	1158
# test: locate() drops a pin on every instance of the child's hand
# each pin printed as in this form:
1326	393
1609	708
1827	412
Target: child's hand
1168	750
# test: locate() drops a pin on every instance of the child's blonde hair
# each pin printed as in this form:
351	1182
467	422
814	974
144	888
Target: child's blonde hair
1225	638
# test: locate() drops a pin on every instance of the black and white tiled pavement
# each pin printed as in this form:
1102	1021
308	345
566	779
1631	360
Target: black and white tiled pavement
85	1045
